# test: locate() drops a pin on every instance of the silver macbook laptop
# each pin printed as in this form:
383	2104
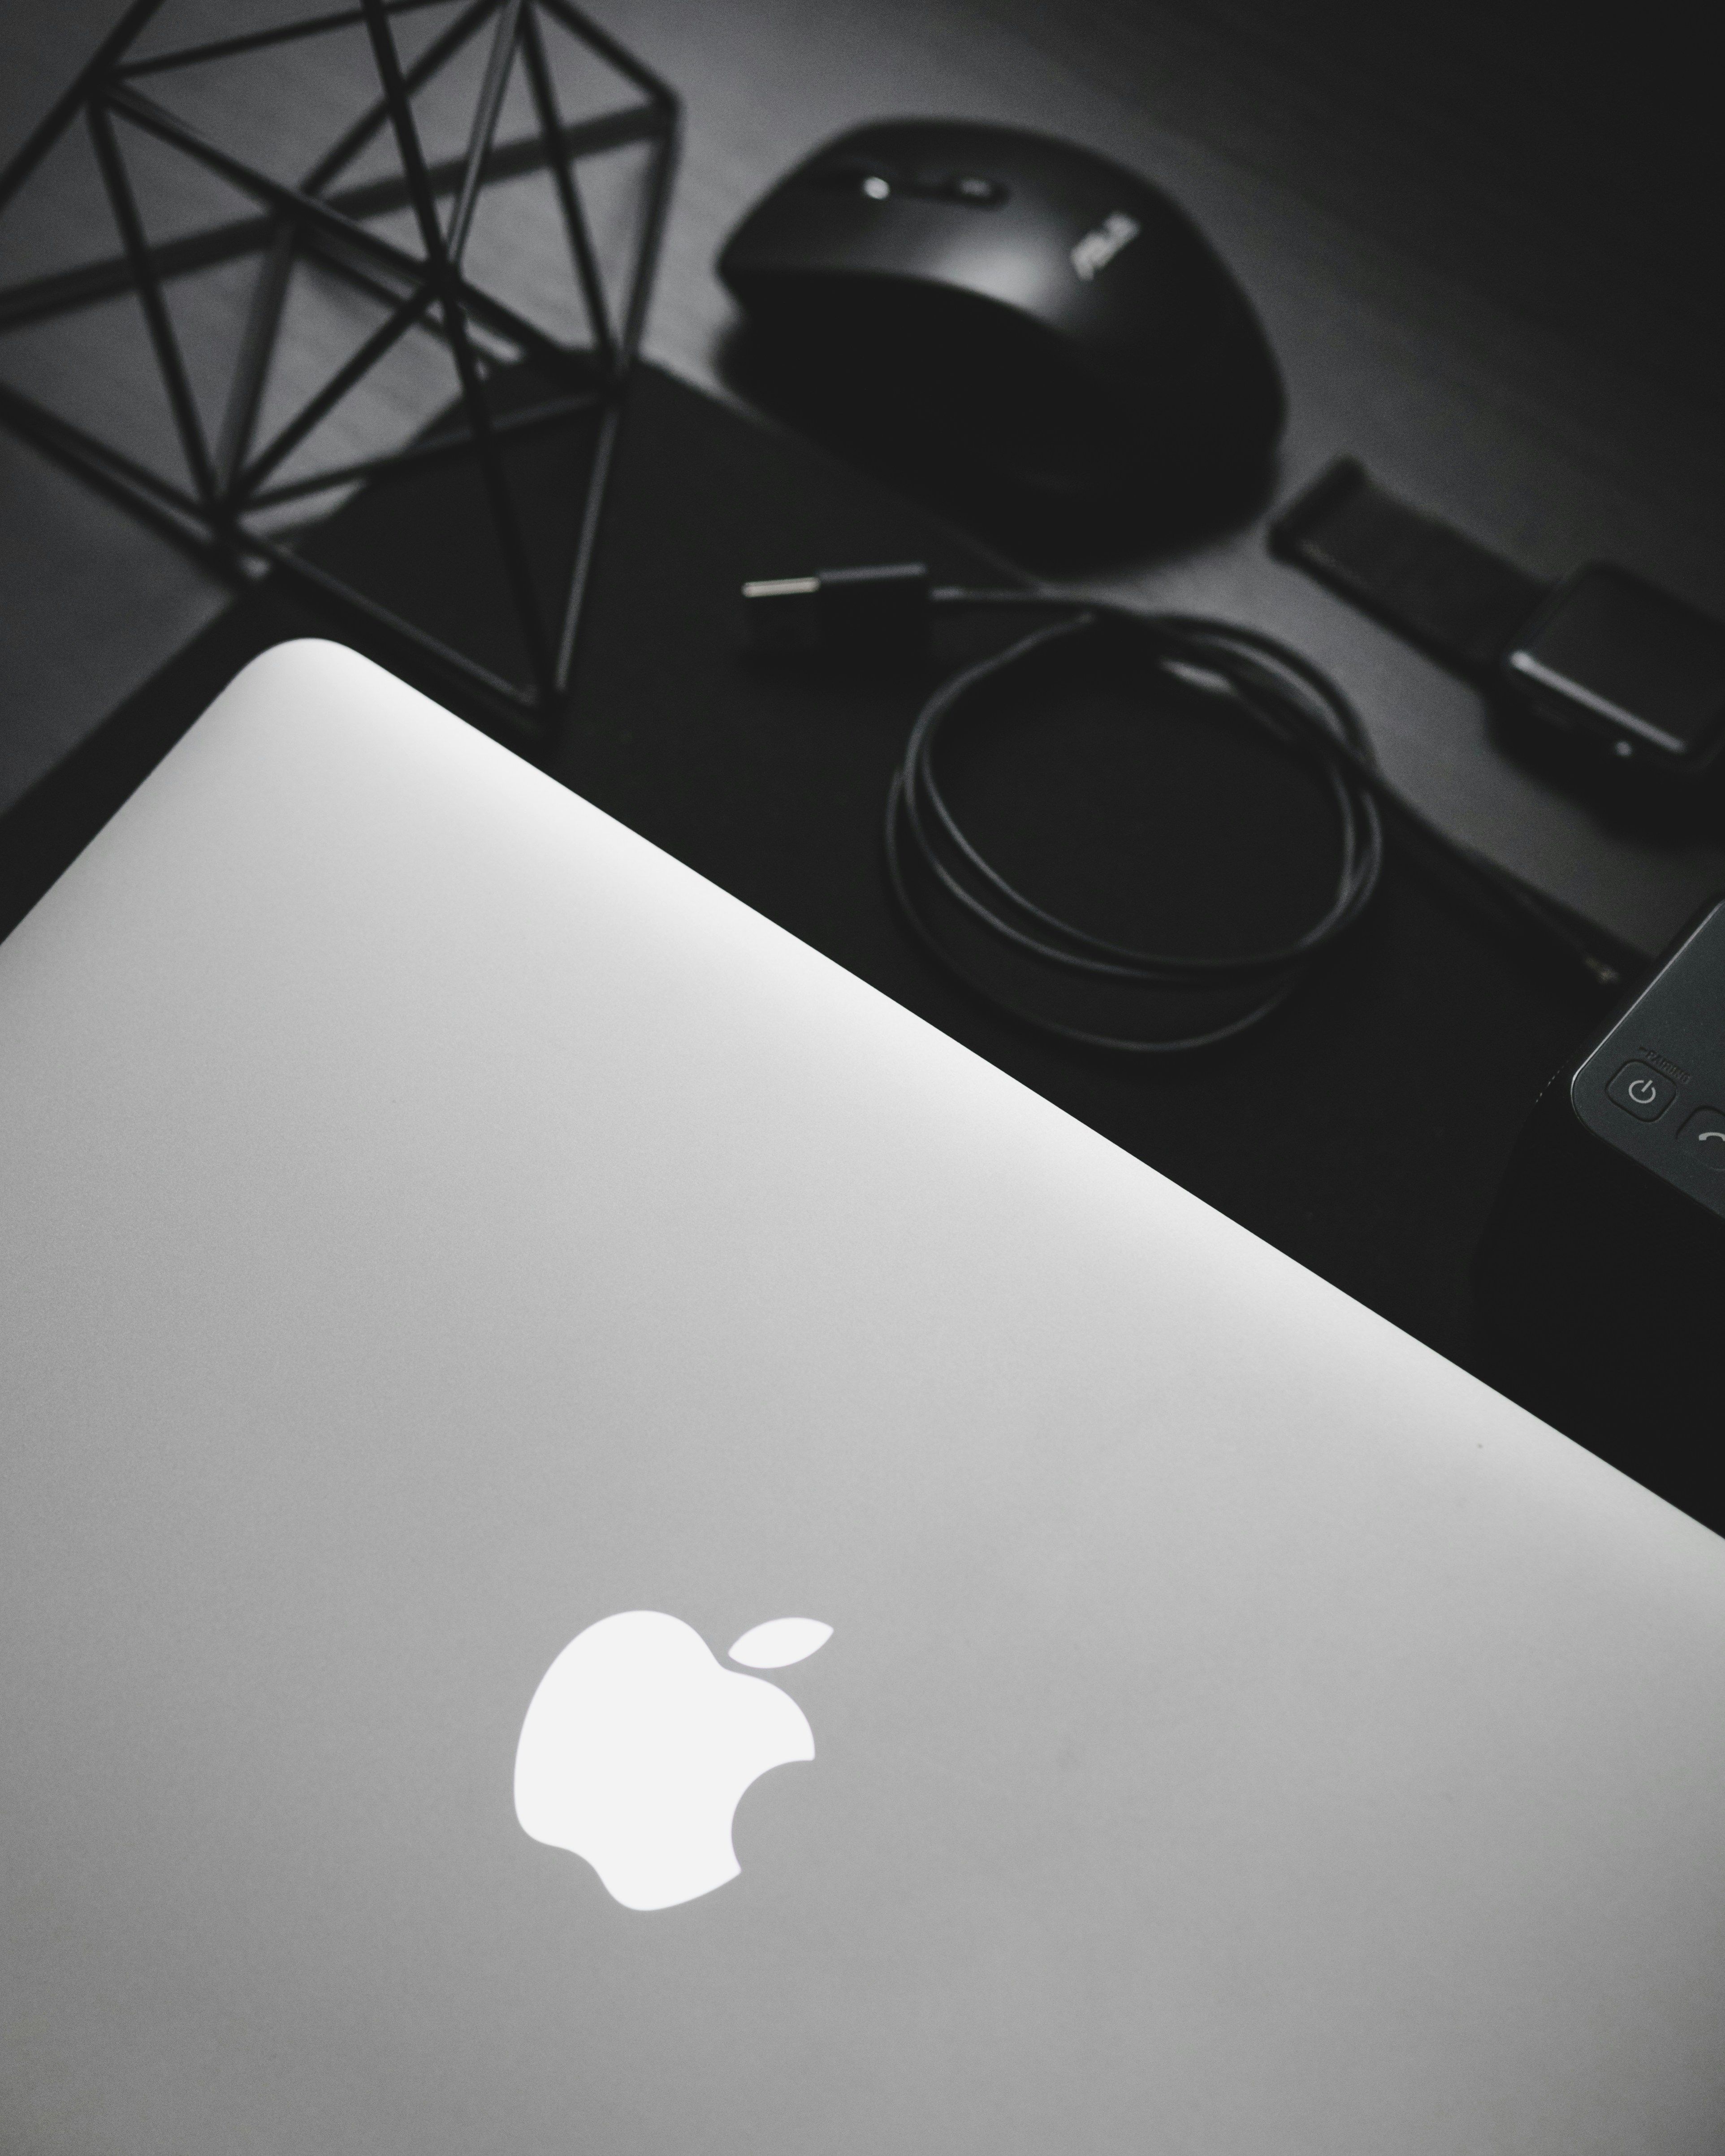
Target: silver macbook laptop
612	1545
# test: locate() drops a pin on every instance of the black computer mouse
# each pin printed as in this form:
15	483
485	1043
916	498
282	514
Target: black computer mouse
1034	309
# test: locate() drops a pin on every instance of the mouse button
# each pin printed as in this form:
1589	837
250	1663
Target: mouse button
804	232
971	190
873	179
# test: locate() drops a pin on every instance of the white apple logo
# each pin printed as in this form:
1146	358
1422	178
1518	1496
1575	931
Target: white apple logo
638	1747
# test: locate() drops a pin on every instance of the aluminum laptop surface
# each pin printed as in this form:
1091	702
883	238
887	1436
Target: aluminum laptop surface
436	1227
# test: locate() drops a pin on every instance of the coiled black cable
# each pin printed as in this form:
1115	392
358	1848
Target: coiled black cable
1277	691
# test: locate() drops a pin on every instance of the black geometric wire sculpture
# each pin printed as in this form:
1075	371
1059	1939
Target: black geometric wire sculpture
227	506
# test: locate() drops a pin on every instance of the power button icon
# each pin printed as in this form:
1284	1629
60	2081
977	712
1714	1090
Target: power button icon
1646	1093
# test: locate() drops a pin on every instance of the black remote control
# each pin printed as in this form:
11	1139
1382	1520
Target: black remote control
1654	1086
1603	1270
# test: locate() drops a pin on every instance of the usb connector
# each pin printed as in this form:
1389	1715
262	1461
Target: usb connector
876	613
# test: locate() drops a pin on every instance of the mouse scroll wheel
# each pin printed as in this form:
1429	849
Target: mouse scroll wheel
975	189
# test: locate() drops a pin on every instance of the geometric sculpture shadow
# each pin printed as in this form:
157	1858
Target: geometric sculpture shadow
292	302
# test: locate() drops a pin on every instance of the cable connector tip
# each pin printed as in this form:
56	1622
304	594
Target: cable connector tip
874	613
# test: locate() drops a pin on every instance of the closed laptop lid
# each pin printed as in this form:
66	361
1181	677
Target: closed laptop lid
507	1358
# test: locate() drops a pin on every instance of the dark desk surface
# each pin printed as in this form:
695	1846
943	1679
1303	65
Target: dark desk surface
1491	267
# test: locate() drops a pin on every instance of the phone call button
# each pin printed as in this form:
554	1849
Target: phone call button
1644	1091
1704	1135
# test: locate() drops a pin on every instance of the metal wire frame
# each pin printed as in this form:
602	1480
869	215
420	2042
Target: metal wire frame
214	516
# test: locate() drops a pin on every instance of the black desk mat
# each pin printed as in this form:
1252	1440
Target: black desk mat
1363	1130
